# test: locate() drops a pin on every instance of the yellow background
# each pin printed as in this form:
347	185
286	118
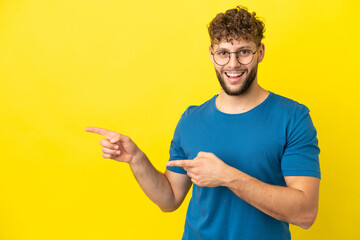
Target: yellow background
134	67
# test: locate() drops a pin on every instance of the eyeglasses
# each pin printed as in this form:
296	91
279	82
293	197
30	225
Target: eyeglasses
244	56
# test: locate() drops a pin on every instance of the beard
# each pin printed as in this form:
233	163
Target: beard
244	87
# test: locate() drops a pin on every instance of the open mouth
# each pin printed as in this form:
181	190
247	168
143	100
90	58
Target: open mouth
234	76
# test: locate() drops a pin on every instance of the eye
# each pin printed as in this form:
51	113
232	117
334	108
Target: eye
222	53
245	52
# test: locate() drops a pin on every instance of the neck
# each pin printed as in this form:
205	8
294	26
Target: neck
243	103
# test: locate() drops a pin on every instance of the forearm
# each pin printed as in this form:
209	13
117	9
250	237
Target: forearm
154	183
283	203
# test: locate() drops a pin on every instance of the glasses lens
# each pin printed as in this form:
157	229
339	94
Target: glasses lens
245	56
221	57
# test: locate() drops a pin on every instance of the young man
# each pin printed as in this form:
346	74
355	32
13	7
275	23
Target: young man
251	155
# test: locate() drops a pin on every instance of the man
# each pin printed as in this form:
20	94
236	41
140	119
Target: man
251	155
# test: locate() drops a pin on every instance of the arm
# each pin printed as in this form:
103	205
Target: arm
297	203
166	190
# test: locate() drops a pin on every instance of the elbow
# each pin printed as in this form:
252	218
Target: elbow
169	208
306	225
306	220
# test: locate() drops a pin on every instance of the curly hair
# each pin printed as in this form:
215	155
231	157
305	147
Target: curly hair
236	24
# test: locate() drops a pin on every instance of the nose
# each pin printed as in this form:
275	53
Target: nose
233	62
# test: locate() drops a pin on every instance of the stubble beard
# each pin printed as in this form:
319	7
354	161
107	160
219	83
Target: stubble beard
245	86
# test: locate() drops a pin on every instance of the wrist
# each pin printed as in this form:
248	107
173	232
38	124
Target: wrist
137	158
231	177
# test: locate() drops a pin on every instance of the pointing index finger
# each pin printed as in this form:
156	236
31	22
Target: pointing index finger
101	131
180	163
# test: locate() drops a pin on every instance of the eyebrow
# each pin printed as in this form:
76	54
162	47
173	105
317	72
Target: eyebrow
242	47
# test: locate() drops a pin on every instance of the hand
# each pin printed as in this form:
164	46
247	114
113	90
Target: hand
116	146
206	170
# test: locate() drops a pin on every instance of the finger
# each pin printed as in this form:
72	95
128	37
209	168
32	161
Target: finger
106	143
101	131
110	151
180	163
106	155
118	137
195	182
203	154
190	174
115	137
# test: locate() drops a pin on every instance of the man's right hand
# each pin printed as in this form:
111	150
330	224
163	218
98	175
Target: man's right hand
116	146
165	190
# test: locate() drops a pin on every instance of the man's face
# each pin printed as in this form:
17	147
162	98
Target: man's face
236	78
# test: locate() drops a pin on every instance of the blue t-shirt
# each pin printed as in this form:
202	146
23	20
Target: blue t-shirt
275	139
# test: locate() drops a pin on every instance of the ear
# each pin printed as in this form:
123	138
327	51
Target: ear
211	56
261	52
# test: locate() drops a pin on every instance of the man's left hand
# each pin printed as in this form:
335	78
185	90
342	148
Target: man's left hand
206	170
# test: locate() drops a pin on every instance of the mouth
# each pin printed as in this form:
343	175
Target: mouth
234	76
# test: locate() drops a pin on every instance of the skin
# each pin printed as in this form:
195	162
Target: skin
297	203
231	88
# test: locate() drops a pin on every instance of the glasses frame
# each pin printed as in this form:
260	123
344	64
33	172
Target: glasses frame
237	58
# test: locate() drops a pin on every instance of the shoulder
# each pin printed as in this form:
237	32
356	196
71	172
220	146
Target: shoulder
199	111
293	115
288	106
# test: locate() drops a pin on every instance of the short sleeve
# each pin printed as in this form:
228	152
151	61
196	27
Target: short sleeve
301	154
176	152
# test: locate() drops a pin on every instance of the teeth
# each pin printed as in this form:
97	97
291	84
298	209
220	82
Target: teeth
234	74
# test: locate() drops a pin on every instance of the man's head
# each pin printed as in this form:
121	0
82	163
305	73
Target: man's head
236	24
236	49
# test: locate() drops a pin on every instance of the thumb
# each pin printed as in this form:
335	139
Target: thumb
115	139
118	137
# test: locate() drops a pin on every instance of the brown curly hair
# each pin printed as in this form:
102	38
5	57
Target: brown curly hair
236	24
